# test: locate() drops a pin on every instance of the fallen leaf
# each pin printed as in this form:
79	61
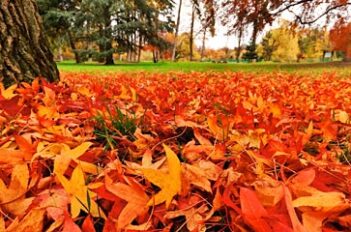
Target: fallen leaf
80	196
32	222
134	195
253	211
169	183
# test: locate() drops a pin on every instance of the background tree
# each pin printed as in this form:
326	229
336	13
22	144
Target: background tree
250	54
59	23
340	37
204	10
174	55
313	43
24	51
268	46
286	43
238	14
104	27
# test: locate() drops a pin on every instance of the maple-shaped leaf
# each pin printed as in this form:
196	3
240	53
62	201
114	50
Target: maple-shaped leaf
81	197
55	202
253	211
32	222
196	176
63	155
341	116
134	195
12	198
146	162
170	183
13	106
66	155
194	217
9	92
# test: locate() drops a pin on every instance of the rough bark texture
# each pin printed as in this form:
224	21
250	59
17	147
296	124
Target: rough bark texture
176	32
191	37
73	47
24	51
108	46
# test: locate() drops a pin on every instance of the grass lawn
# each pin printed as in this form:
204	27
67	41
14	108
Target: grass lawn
303	68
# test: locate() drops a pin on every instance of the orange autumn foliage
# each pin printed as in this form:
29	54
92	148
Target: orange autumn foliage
210	152
340	37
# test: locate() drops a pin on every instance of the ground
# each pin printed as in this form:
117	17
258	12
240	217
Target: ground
120	149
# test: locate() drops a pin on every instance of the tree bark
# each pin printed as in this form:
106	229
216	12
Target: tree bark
238	50
73	47
108	35
254	33
191	37
140	46
24	51
203	47
174	53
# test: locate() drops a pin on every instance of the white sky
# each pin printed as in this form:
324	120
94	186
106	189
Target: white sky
220	40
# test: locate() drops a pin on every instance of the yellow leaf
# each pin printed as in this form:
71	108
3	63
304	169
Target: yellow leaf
341	116
48	112
320	199
9	92
134	94
309	132
18	185
275	110
63	156
81	197
124	93
169	183
84	91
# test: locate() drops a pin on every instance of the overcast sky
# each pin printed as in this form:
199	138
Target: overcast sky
221	39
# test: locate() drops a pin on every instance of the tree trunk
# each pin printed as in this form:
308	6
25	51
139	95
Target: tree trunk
60	53
254	34
24	51
177	31
203	47
109	57
140	46
108	35
73	47
191	37
238	50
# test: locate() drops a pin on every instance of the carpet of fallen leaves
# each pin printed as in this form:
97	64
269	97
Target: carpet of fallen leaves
207	152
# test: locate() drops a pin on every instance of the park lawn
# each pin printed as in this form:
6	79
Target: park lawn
301	68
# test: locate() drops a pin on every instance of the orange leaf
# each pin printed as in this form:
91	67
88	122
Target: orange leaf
134	195
69	225
32	222
253	211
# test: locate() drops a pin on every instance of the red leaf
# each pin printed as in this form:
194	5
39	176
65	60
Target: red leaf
253	211
88	225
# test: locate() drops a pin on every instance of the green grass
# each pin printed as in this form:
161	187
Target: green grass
303	68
